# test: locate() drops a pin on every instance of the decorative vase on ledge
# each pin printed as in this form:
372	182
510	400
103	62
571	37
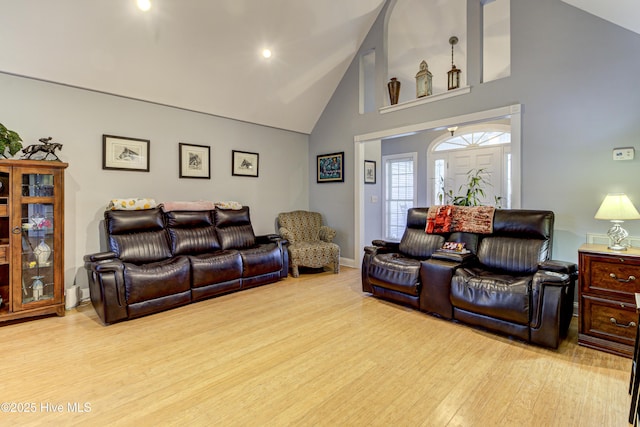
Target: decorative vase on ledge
394	90
37	288
42	253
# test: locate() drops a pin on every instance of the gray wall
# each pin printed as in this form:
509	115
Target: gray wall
572	73
78	119
373	194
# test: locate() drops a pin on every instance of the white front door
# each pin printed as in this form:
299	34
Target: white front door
458	164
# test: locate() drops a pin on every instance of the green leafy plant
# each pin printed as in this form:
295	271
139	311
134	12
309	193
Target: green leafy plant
9	139
469	194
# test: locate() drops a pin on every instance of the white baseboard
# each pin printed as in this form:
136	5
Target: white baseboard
348	262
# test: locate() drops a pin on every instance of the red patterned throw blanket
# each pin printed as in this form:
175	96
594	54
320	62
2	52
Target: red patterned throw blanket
468	219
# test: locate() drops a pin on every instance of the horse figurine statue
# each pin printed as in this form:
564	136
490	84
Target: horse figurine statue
47	147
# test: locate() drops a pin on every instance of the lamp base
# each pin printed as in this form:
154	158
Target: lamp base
616	247
617	234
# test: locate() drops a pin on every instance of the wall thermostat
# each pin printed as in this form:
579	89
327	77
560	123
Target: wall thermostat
625	153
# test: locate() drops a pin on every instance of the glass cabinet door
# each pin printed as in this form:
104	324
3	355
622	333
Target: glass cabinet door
5	227
38	242
37	252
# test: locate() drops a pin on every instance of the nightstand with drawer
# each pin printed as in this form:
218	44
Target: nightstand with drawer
607	286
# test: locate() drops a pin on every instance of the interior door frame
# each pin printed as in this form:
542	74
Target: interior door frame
512	112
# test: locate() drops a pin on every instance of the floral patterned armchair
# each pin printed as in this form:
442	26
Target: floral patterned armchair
310	242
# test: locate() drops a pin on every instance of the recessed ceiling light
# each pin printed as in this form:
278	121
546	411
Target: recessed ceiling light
266	53
144	5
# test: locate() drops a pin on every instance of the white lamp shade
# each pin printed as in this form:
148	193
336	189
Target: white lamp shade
617	207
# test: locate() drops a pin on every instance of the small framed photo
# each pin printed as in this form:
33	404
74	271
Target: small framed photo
195	161
369	172
331	167
122	153
244	163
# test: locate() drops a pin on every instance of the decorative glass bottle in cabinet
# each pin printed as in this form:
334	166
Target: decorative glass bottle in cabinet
31	238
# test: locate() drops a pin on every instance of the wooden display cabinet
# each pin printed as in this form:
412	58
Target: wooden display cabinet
31	238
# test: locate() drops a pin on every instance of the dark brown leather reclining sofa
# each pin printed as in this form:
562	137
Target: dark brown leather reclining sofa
159	260
507	281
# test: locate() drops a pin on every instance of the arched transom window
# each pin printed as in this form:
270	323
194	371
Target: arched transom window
473	139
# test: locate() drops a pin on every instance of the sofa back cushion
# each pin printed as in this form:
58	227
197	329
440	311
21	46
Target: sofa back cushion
521	239
513	255
415	241
191	232
137	236
523	223
233	227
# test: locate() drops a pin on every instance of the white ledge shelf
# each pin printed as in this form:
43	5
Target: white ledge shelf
425	100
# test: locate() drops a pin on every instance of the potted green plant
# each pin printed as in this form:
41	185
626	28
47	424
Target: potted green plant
9	139
471	193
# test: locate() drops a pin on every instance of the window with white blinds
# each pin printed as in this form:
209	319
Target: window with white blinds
400	192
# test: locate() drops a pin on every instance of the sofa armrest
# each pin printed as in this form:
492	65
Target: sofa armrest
282	247
436	275
106	286
272	238
286	234
99	256
385	246
326	233
371	250
552	303
456	257
369	253
562	267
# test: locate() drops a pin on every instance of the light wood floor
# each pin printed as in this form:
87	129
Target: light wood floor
308	351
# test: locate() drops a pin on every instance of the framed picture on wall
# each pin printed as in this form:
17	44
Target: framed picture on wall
244	163
330	167
122	153
194	161
369	172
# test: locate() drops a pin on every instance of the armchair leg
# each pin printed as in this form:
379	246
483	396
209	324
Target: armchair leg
336	266
294	270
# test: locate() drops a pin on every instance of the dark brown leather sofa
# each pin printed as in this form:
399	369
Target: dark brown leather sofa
506	283
160	260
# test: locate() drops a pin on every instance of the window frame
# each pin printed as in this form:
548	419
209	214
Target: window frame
386	182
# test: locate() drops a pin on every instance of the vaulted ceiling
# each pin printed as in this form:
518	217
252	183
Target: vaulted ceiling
201	55
205	55
625	13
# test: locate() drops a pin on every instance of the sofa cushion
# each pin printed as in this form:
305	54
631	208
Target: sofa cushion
124	222
513	255
141	248
218	267
188	219
234	229
230	217
137	236
237	237
262	259
191	232
193	241
501	296
394	271
418	244
154	280
530	224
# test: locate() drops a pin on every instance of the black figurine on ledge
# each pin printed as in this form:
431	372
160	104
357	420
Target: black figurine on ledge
47	147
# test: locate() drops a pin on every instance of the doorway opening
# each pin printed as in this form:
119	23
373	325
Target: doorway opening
511	113
485	149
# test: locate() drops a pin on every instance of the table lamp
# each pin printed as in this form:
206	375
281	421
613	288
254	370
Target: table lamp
616	208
